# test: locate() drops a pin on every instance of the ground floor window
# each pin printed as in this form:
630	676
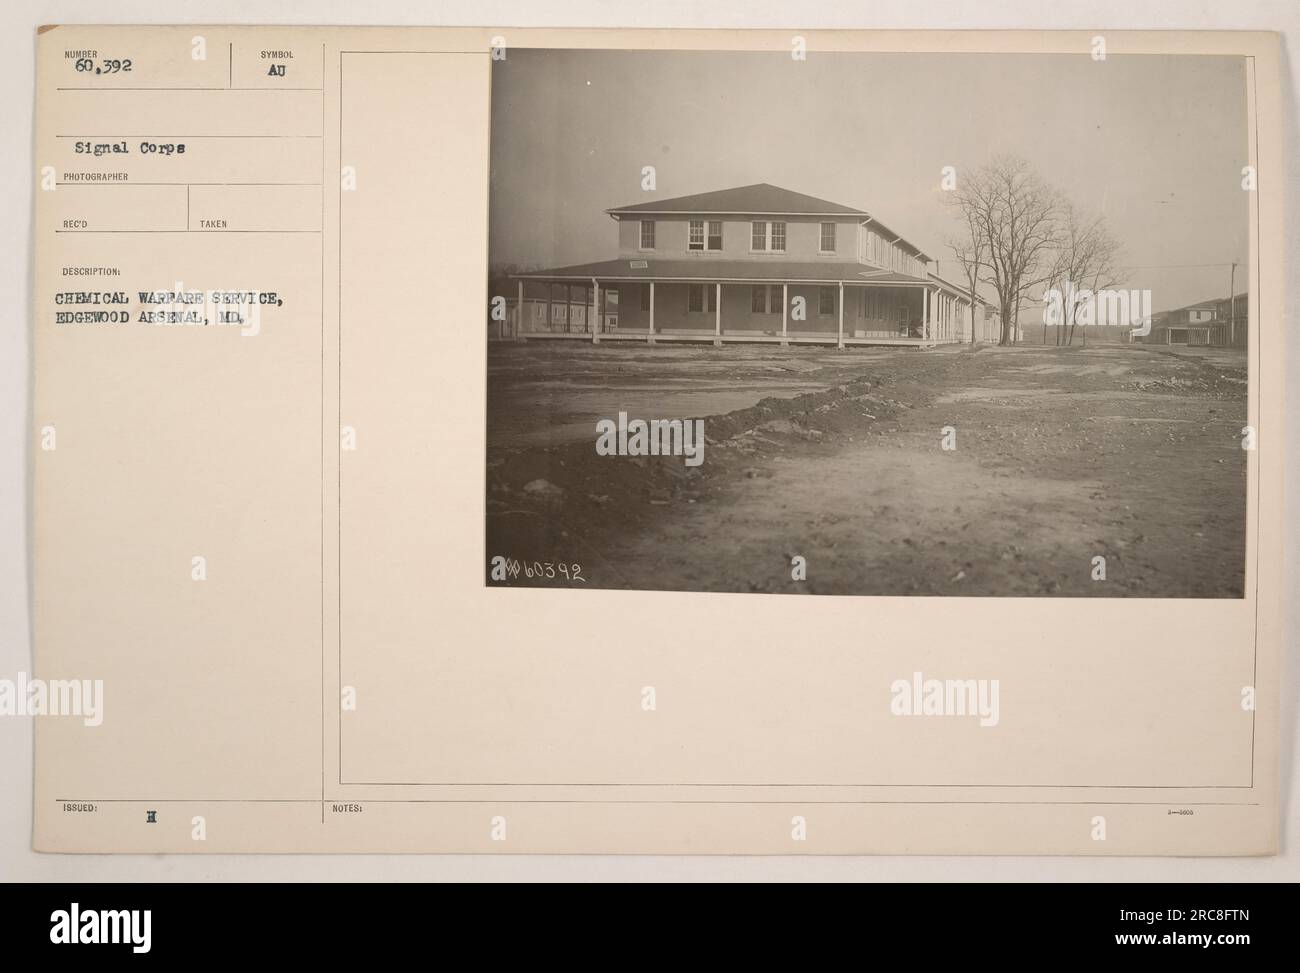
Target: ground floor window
775	298
826	299
559	302
645	297
701	297
765	299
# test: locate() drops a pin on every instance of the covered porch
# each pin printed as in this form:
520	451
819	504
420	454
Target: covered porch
856	306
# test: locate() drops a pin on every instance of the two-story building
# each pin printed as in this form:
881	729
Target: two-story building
757	263
1218	323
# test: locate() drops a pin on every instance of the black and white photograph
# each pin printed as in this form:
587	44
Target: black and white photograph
870	324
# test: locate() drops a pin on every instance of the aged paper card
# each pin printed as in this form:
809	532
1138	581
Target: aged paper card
481	440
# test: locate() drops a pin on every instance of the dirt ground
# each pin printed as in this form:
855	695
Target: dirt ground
1125	452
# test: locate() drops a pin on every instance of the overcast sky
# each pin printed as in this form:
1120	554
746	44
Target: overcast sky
1155	143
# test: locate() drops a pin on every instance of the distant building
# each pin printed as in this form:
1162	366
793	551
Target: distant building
1218	323
1197	314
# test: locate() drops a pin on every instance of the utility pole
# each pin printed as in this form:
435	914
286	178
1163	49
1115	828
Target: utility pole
1232	304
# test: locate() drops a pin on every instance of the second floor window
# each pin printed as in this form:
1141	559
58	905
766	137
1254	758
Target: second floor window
767	236
827	244
698	239
647	234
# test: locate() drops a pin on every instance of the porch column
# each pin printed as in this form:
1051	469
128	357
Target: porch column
519	311
652	312
594	321
840	342
717	314
785	314
925	311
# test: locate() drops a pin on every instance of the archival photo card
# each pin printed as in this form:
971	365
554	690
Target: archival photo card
432	426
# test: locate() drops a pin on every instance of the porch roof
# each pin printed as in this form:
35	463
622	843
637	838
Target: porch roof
958	291
726	271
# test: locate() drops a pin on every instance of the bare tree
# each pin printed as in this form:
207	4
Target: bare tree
1084	264
1014	213
971	250
1094	266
